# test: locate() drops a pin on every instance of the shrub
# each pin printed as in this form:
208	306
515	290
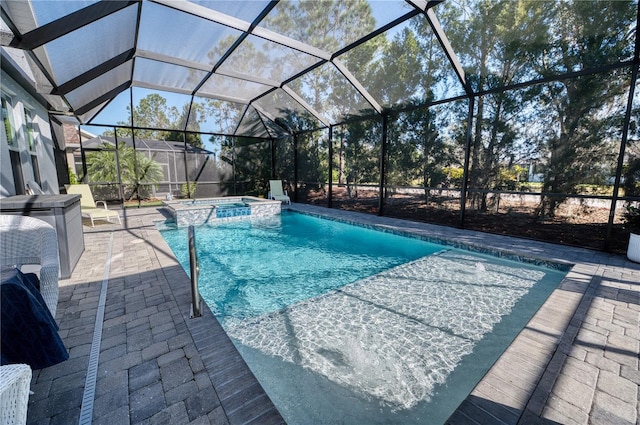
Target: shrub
632	219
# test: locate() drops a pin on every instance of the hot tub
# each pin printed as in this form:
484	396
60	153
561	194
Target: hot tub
187	212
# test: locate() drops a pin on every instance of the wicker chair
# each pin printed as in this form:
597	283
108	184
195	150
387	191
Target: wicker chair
15	380
28	240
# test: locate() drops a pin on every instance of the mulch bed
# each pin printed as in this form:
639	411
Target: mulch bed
573	226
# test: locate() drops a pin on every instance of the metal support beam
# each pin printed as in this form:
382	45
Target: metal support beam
69	23
273	119
295	167
448	50
330	194
356	84
98	101
94	72
623	143
383	157
172	60
186	165
118	168
305	105
467	155
272	147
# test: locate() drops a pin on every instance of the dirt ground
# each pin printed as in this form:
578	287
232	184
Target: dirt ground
574	225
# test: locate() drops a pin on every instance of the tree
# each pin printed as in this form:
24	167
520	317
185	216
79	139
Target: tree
401	60
252	163
153	113
415	152
194	116
587	110
493	40
312	160
102	166
161	122
362	153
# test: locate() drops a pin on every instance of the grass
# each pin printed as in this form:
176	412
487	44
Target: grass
143	203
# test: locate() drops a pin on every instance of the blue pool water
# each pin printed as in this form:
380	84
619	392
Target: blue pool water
250	268
343	324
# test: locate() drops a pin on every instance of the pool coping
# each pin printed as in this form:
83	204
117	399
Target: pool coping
552	263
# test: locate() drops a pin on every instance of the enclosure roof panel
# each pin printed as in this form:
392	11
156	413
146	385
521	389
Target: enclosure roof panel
398	75
187	35
75	53
244	10
281	108
332	25
268	60
29	15
220	86
166	76
101	85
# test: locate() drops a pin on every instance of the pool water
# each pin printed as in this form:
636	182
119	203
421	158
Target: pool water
255	267
343	324
232	205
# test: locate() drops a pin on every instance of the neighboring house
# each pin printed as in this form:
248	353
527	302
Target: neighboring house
73	137
27	149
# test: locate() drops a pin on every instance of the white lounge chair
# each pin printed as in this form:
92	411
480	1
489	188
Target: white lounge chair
29	240
277	193
88	205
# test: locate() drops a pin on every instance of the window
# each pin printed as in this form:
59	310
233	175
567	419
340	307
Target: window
12	140
36	169
16	166
31	134
7	119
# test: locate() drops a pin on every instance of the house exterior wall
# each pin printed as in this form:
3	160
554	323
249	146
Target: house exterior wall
43	147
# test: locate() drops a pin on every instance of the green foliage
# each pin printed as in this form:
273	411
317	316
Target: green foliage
354	18
454	175
102	166
588	112
632	219
162	122
632	177
188	190
313	167
362	151
510	177
252	164
492	40
72	176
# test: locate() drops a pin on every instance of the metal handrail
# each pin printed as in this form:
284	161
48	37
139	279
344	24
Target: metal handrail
196	310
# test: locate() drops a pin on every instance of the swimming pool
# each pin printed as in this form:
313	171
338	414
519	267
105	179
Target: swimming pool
343	324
